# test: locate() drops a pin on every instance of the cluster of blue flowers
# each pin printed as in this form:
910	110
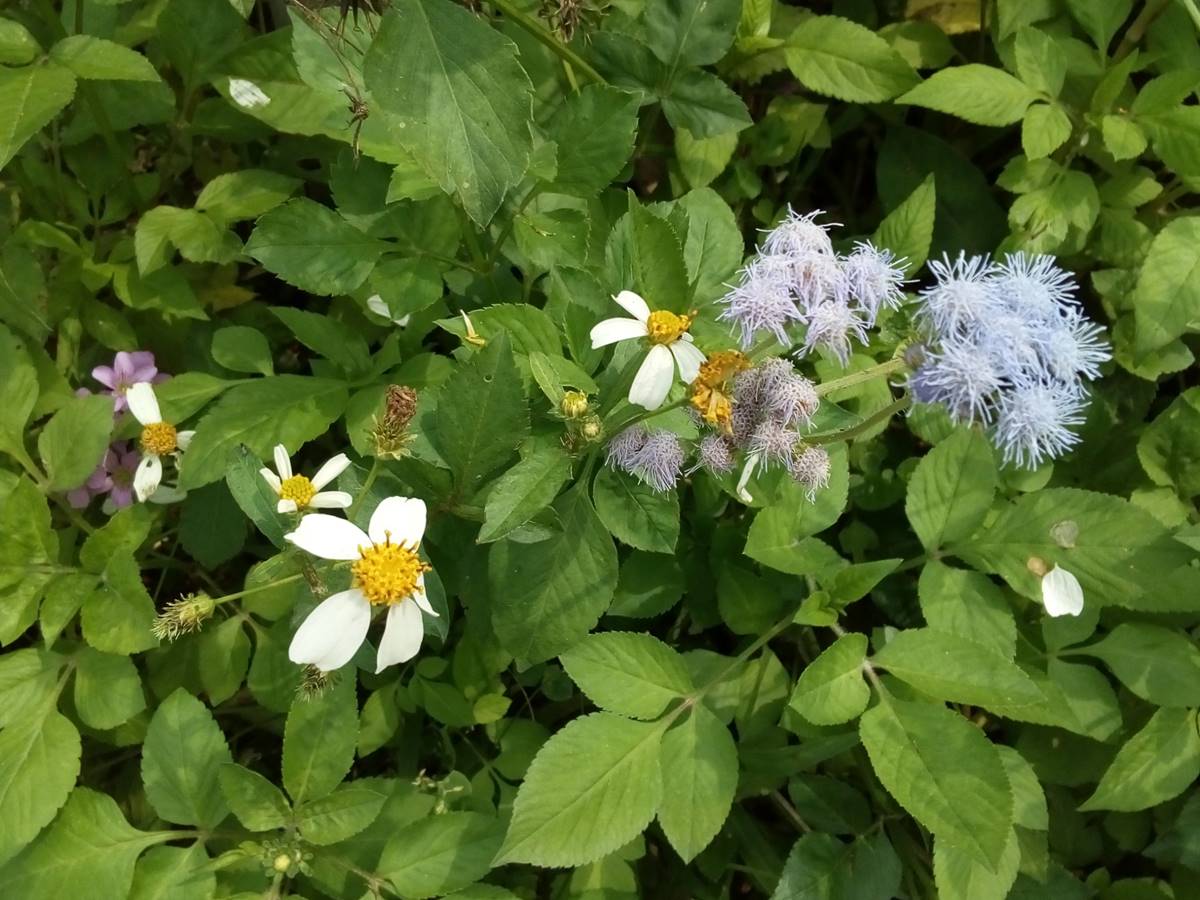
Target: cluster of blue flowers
796	278
652	455
1008	348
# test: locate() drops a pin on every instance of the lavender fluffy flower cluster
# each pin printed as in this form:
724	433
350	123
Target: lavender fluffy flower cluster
652	455
1010	349
796	278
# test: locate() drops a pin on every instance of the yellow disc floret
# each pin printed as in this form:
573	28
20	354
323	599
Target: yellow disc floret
298	489
710	392
159	439
666	327
387	572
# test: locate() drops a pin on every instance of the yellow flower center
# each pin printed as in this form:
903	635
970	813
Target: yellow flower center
159	439
710	390
666	327
387	572
298	489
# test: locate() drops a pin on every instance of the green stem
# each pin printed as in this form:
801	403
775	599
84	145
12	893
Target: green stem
847	434
258	590
494	254
372	474
648	414
867	668
879	370
1137	29
543	36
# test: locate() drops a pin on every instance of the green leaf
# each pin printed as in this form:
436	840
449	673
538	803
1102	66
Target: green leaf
198	238
712	243
908	229
75	439
30	548
1158	664
98	59
336	341
440	854
523	491
181	759
39	762
1158	763
310	246
17	45
1166	300
29	98
930	759
828	804
258	804
233	196
1100	20
319	741
644	254
1123	138
462	101
547	596
242	349
181	396
959	877
831	689
286	409
634	675
821	867
90	843
980	94
343	814
1041	62
209	546
952	489
963	602
108	689
18	380
699	775
482	415
594	131
173	873
635	513
223	657
1169	447
593	787
690	32
197	35
254	496
118	615
703	159
951	667
527	327
840	58
704	105
1045	128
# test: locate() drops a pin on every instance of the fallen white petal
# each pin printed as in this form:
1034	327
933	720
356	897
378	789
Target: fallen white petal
328	537
1062	594
247	94
653	380
402	635
333	632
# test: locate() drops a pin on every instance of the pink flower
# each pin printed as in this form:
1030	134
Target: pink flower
114	476
127	370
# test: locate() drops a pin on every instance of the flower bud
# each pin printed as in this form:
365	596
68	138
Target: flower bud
591	429
282	863
183	616
574	405
390	431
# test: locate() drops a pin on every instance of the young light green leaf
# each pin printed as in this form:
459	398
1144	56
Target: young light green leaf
440	854
690	32
466	124
1044	129
593	787
341	815
99	59
931	759
644	254
704	105
594	130
173	873
831	689
523	491
29	98
17	45
546	596
821	867
39	762
699	775
242	349
108	689
1158	664
908	229
958	876
74	440
1167	298
634	675
635	513
1158	763
964	602
181	758
319	740
118	616
834	56
258	804
980	94
233	196
1041	62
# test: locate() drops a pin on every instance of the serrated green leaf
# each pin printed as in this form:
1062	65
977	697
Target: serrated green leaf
1158	763
233	196
341	815
635	513
319	741
699	775
690	32
1158	664
173	873
821	867
964	602
17	45
440	854
908	229
930	759
96	58
1041	63
1044	129
831	689
334	340
594	130
181	759
223	657
1167	298
980	94
644	254
74	440
39	762
634	675
523	491
108	689
258	804
960	877
951	489
118	616
834	56
593	787
29	98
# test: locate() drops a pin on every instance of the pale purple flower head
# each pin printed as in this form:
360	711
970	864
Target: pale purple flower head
810	469
114	476
961	297
1035	286
875	279
1033	422
762	301
786	394
653	456
621	452
715	454
1076	348
128	369
774	443
831	325
799	236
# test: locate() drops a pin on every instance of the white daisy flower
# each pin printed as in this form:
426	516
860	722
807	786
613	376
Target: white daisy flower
158	439
671	347
376	304
296	492
1062	594
387	572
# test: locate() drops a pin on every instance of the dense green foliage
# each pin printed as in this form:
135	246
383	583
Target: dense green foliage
845	688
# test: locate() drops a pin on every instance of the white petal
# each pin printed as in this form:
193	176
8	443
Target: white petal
271	478
331	470
147	476
328	537
653	380
634	305
402	519
689	358
401	635
330	500
286	506
612	330
143	404
743	494
403	320
183	439
247	94
422	599
333	632
283	464
1062	594
376	305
